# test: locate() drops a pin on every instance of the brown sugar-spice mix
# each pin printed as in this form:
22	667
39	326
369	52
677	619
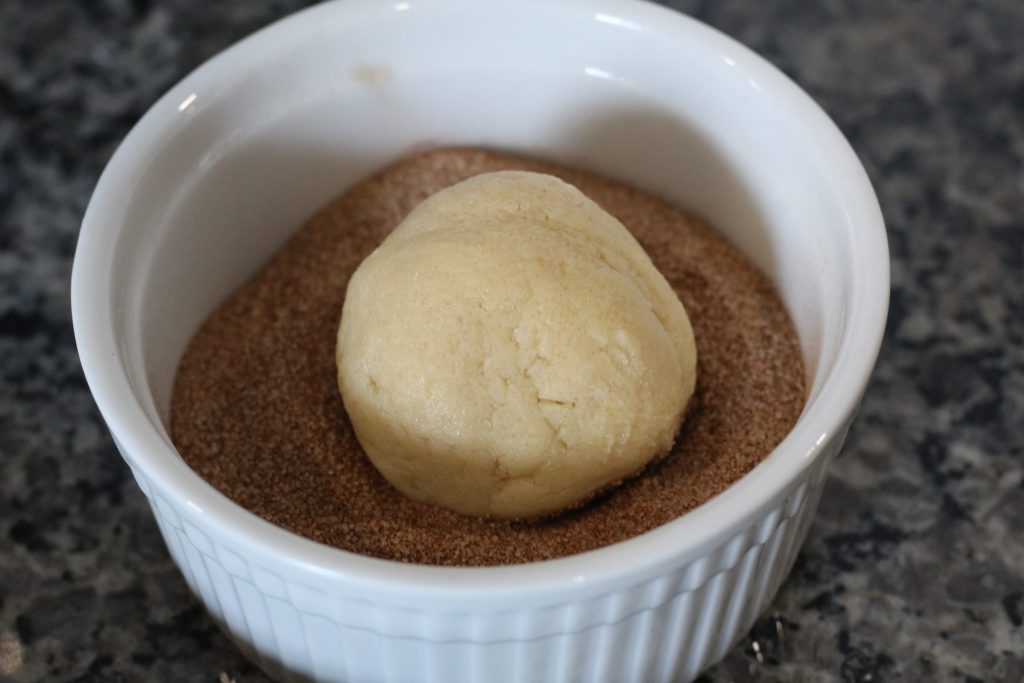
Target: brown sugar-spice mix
257	413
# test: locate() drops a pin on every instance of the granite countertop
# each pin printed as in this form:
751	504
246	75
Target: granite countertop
914	568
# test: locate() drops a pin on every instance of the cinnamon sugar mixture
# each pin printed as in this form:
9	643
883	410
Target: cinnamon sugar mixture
257	413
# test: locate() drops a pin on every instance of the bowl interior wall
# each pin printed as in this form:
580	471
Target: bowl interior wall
244	159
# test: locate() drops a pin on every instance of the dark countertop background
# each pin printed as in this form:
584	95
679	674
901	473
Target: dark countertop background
914	569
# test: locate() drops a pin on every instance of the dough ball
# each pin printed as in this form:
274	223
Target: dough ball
510	350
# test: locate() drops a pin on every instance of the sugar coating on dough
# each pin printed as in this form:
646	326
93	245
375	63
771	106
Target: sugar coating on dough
510	350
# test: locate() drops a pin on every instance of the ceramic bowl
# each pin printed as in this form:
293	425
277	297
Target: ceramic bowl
233	159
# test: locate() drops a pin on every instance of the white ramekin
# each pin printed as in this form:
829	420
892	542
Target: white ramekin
233	159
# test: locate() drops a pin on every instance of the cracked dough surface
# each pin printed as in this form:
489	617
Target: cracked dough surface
510	350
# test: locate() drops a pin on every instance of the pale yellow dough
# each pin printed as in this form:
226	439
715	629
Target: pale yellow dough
510	350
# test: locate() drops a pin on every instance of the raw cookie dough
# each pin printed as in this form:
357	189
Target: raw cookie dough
510	350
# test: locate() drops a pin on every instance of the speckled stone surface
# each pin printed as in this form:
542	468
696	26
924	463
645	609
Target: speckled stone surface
914	569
